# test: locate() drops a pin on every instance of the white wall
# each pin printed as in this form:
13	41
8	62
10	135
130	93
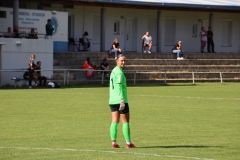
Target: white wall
217	28
83	21
14	57
114	14
184	24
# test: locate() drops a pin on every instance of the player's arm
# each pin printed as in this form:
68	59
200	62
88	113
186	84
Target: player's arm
120	89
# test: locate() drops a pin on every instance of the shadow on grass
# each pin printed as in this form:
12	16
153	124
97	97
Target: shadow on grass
182	146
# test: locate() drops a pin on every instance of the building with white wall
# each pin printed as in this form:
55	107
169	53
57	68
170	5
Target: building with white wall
167	21
15	52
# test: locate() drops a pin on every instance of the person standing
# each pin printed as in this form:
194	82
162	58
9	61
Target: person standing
210	40
203	35
147	42
118	102
86	41
49	29
31	72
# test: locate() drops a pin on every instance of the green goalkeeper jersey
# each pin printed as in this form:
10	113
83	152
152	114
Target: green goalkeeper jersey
118	86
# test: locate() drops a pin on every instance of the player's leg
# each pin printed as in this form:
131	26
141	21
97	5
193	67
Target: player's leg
114	125
126	127
125	116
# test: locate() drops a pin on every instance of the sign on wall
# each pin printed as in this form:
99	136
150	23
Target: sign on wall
37	19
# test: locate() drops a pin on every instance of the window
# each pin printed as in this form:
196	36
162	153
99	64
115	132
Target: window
194	30
226	32
3	14
116	27
170	25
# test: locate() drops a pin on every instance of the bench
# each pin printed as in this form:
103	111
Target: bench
19	81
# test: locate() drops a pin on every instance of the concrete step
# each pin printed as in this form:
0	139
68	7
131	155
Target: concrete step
111	62
183	67
77	75
137	55
148	66
167	67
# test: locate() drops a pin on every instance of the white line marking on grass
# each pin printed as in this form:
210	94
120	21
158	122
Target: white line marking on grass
237	99
112	152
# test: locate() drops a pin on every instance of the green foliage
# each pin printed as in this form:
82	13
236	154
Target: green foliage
172	122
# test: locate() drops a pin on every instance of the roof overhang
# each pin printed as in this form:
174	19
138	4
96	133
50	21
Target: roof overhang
178	5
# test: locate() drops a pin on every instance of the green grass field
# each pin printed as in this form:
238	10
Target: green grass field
172	122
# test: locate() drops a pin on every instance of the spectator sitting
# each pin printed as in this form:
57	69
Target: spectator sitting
89	69
178	49
116	47
39	75
27	76
9	33
104	66
16	33
32	34
86	42
147	42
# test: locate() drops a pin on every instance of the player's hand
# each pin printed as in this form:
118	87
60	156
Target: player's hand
122	104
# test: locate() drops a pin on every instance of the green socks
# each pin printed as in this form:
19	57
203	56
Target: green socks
126	132
125	128
113	130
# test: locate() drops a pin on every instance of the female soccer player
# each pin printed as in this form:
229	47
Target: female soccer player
118	103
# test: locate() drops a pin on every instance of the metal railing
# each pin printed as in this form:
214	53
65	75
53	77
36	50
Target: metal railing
65	74
23	35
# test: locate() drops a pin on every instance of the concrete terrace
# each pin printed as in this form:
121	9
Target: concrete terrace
154	67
